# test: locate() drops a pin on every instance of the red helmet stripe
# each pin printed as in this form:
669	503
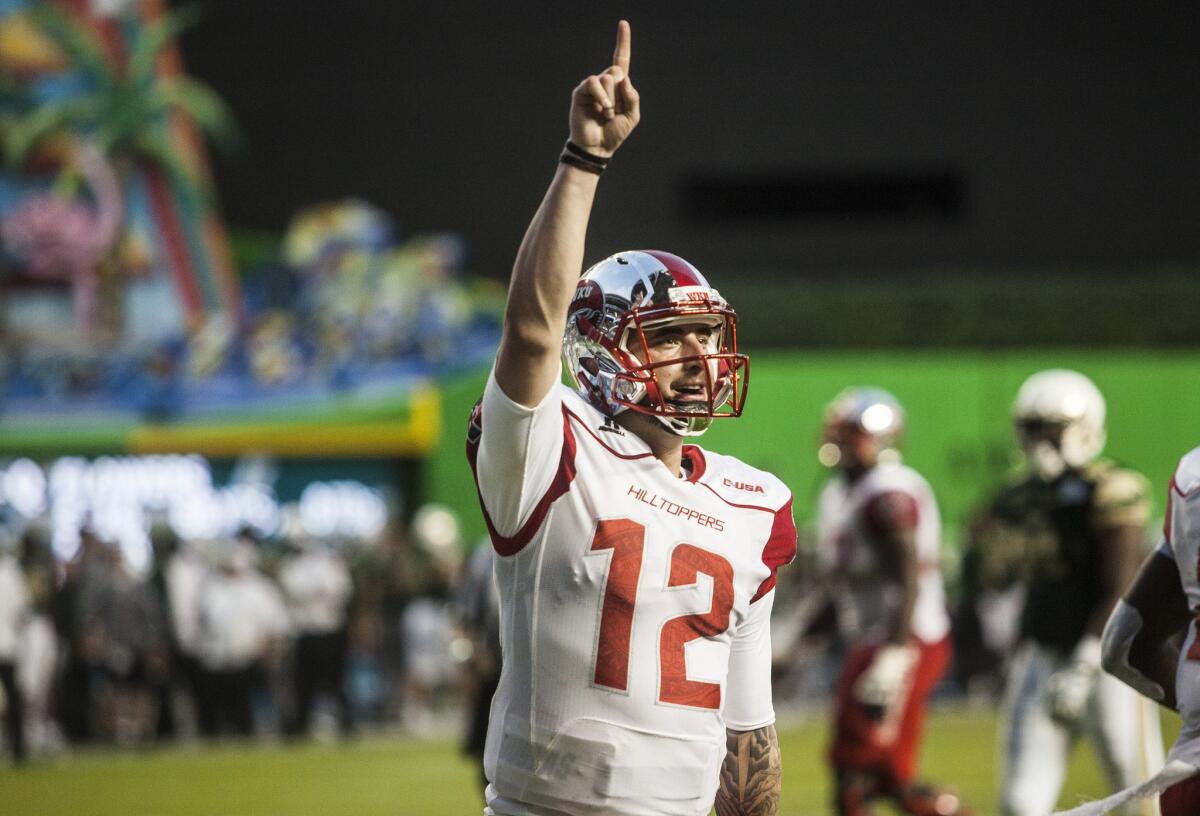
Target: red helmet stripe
682	271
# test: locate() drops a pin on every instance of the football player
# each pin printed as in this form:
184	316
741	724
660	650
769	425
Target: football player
1151	643
635	572
879	534
1070	530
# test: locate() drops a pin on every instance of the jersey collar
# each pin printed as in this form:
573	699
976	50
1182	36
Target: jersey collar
695	459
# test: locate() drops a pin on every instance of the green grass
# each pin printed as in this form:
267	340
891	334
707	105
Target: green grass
396	776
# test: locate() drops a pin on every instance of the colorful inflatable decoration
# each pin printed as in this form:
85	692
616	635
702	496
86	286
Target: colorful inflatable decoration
106	78
344	341
334	348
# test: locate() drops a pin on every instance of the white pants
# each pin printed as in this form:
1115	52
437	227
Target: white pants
1122	726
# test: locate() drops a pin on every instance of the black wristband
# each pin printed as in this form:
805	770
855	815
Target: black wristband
582	164
586	156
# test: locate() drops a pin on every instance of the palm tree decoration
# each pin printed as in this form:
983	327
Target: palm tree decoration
125	114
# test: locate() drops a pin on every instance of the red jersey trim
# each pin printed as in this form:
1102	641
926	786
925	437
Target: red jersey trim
511	545
1172	490
602	443
740	506
780	549
1175	488
690	452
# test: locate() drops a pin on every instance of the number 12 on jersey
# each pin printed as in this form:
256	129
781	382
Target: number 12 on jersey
626	539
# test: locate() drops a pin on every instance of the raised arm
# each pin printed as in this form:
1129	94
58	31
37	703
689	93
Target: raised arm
1140	647
604	111
1120	557
892	520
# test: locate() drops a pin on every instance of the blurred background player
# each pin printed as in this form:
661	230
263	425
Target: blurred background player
1071	531
14	608
1149	644
317	588
880	538
635	573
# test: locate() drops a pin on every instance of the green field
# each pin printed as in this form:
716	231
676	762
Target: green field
394	776
959	428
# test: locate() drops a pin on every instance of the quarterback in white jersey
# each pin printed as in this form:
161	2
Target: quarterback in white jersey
879	537
635	573
1142	645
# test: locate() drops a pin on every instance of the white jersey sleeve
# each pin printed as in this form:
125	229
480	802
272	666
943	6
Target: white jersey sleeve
1181	528
748	687
1181	531
518	455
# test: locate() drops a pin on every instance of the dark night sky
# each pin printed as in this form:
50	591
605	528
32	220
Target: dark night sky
1067	133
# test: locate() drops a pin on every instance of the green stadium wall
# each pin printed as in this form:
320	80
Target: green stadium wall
959	435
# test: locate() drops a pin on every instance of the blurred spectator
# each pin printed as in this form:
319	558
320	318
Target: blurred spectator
316	585
14	607
428	631
163	542
386	576
38	651
242	620
184	574
479	606
82	577
127	634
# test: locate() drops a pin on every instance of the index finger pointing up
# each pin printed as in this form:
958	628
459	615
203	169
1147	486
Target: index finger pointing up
622	51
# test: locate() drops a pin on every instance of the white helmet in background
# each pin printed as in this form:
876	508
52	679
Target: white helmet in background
1059	420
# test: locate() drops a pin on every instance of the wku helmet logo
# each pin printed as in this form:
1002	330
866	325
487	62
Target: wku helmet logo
587	296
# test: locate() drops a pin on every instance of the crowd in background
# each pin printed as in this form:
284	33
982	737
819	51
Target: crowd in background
296	636
240	637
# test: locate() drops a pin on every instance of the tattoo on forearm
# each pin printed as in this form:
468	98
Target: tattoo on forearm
751	775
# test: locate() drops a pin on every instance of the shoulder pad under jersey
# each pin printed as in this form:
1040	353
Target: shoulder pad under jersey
890	478
1187	474
739	483
1122	497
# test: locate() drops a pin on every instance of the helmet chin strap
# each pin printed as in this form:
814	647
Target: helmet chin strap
1046	460
684	426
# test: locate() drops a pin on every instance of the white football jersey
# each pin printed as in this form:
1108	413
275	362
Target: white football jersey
635	610
867	602
1181	529
1182	525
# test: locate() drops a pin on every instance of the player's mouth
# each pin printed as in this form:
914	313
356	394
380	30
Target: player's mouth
688	396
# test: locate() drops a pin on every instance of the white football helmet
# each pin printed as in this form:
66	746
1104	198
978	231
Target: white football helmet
1059	420
616	301
858	415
